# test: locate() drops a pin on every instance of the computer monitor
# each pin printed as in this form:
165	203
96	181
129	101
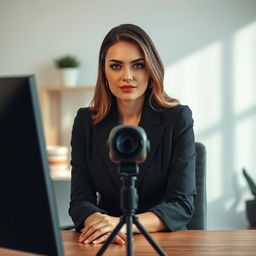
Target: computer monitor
28	213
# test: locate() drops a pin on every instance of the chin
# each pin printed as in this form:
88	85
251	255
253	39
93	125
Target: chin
127	98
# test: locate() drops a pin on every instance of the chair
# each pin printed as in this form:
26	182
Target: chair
198	220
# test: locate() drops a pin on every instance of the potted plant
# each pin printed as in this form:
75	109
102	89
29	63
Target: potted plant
251	204
68	69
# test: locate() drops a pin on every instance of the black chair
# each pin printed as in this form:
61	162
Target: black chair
198	220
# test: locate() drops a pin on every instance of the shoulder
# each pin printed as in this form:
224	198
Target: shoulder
84	112
178	113
178	119
83	116
82	123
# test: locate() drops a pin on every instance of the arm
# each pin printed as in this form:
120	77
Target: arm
151	222
177	208
93	222
83	193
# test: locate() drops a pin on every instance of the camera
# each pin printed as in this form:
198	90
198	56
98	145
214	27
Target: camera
127	144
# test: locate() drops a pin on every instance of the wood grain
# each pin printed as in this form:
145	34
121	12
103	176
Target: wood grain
179	243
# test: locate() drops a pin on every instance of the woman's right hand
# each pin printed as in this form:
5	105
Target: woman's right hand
98	228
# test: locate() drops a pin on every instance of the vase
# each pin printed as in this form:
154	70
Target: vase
68	76
251	212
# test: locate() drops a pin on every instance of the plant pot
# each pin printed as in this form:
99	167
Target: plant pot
251	212
68	76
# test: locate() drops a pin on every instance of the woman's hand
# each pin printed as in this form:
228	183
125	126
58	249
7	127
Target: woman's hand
98	228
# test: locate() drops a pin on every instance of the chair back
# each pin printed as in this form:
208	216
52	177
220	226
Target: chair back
199	218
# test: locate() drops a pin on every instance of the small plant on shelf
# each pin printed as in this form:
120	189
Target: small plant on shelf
251	204
67	61
68	70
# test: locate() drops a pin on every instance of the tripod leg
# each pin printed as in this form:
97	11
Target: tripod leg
111	237
129	245
148	237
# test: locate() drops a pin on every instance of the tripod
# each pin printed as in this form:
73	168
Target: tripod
129	204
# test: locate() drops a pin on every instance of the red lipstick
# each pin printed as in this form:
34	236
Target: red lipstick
127	88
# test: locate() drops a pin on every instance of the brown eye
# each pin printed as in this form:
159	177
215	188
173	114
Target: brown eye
139	65
115	66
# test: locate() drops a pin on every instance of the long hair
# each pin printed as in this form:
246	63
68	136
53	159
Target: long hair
103	98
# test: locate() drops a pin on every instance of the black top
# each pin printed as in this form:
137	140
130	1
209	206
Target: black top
166	180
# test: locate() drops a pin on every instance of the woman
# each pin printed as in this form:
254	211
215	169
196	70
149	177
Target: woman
129	91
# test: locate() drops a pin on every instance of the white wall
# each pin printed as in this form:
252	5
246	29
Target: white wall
208	48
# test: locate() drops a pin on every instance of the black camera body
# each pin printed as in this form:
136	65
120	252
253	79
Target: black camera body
127	144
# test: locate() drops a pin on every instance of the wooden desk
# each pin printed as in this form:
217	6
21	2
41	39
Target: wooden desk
180	243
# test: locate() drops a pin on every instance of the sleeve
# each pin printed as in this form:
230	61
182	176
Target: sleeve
178	207
83	200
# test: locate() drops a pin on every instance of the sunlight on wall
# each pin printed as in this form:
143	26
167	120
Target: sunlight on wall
244	75
245	147
196	81
244	81
218	82
214	169
245	141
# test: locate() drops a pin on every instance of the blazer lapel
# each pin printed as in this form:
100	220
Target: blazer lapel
102	131
152	123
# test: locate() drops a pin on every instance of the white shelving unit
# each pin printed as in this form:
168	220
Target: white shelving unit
51	101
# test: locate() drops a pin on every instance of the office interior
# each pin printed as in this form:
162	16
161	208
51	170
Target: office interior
208	50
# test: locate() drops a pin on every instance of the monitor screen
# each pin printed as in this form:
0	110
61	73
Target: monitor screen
28	213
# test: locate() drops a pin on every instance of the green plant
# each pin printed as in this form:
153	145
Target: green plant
67	61
250	182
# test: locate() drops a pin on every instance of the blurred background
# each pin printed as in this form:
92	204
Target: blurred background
209	52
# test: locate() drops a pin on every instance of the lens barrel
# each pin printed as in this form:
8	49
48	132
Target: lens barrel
128	144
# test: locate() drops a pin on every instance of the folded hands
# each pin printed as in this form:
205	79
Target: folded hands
98	228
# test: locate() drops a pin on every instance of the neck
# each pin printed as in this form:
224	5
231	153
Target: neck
130	111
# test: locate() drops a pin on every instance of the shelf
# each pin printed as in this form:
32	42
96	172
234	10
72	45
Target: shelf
51	103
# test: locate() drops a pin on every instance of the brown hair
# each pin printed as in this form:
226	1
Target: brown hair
103	98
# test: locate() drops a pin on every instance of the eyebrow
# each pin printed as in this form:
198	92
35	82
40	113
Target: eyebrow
120	62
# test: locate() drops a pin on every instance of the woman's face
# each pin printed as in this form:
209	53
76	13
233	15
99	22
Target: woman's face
126	71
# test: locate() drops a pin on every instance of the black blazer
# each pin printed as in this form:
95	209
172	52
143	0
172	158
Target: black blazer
166	180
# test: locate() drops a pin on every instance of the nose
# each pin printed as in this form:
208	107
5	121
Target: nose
127	75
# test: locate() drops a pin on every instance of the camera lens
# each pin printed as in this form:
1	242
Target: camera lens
128	143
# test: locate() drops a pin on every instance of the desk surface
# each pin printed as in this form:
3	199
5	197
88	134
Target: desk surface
181	243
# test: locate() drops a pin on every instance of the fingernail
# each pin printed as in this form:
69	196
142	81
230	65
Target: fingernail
95	242
86	242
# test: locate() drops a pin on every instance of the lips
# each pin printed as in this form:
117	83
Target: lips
127	88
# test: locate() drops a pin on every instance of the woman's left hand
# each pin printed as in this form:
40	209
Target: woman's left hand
98	227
